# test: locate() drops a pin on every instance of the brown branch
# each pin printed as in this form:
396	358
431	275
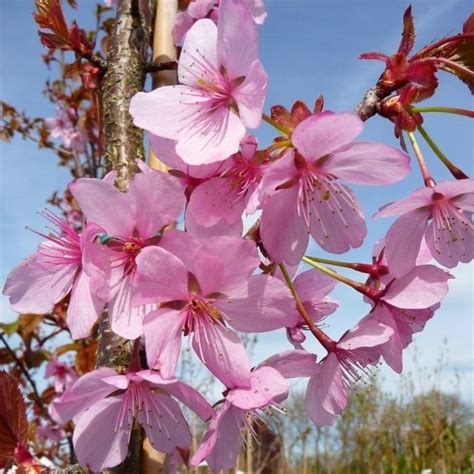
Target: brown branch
369	105
125	76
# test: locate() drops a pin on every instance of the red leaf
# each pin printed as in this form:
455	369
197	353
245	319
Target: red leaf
13	423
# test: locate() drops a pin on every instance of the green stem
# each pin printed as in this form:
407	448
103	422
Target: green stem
360	287
453	169
273	123
429	181
325	340
446	110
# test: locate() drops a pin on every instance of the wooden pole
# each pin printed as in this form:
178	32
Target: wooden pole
164	50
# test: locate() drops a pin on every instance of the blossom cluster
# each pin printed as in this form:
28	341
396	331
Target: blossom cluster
168	258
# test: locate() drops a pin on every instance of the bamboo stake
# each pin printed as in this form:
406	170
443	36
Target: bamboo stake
164	50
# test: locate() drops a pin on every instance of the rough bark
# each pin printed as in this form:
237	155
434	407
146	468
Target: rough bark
125	76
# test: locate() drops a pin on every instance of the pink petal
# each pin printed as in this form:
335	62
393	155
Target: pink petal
250	95
167	111
84	393
222	441
337	223
326	395
183	392
223	354
199	54
368	163
313	285
368	333
159	200
209	271
263	304
322	134
422	287
282	171
96	262
36	285
182	245
209	136
266	384
403	241
202	233
453	189
103	204
238	256
283	231
163	422
393	348
419	198
182	23
165	150
290	364
237	41
451	242
160	276
84	308
162	329
214	200
126	319
97	443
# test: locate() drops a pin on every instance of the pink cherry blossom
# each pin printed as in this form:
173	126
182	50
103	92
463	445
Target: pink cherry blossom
226	196
406	304
130	222
442	215
62	127
58	268
300	194
51	432
199	9
346	362
104	406
223	86
204	290
223	439
64	375
312	287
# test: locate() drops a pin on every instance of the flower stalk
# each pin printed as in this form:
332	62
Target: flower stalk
453	169
428	180
323	338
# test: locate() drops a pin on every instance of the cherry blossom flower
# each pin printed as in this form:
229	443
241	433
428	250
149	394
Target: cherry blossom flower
223	87
130	222
442	215
62	265
63	128
104	406
224	437
406	304
346	363
63	374
312	287
199	9
227	195
206	291
300	195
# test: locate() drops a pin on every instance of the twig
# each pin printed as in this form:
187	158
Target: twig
28	377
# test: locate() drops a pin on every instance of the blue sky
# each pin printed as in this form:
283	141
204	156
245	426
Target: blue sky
308	47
